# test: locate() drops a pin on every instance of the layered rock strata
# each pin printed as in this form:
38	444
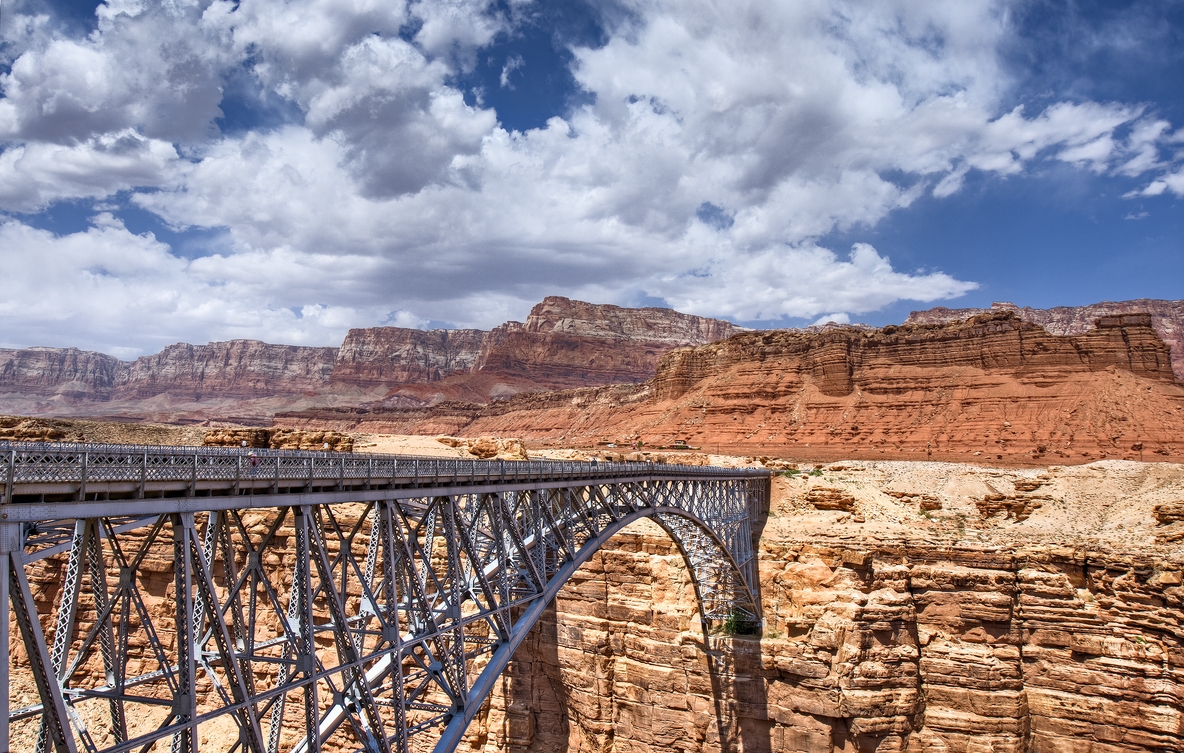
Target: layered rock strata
869	648
1166	316
394	355
70	373
566	343
563	343
238	368
993	387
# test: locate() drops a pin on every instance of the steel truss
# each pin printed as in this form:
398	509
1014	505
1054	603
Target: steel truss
349	614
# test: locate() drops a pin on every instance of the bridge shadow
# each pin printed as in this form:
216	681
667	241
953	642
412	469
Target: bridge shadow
620	661
739	686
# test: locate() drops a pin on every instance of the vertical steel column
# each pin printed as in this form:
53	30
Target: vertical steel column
389	527
63	633
185	707
306	659
10	477
206	605
354	686
455	670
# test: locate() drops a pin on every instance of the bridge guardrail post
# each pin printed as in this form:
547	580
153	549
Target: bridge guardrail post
193	478
9	483
82	482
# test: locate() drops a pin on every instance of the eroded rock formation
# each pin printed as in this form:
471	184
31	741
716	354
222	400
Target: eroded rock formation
238	368
70	373
868	647
1166	316
992	387
563	343
388	356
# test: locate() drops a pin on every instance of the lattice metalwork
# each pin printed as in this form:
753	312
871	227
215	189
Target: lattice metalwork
302	601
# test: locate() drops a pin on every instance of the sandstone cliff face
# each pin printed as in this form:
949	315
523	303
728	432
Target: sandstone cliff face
869	648
1166	316
563	343
654	325
68	372
843	360
238	368
566	343
993	388
394	355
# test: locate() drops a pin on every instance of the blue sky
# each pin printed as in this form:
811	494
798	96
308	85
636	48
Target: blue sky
200	171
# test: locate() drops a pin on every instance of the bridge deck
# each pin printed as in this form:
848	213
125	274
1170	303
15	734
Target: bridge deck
36	473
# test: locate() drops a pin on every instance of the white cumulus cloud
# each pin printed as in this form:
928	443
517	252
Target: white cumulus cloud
717	143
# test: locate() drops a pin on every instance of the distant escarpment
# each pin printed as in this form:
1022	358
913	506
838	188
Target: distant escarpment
239	368
992	387
563	343
69	372
394	355
574	344
1167	317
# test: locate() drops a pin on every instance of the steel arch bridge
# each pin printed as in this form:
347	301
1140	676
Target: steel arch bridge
293	601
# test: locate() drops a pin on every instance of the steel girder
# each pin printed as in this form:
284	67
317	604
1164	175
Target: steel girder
359	624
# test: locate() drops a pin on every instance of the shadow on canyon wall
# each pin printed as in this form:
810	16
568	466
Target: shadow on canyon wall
619	663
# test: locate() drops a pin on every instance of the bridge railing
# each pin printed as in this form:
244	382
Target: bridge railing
43	466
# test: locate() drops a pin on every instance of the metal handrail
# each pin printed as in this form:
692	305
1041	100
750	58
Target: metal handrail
83	463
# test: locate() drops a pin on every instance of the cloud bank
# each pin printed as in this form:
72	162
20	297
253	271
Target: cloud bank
718	142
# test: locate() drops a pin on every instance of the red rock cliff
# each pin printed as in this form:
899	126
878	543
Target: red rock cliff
1166	316
566	343
992	388
67	372
394	355
238	368
563	343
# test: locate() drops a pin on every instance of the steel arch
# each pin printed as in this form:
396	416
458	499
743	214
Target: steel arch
484	684
394	588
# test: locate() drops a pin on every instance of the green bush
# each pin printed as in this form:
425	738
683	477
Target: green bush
739	623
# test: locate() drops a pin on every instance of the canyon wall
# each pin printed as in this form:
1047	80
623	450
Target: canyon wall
1166	316
869	648
905	611
992	387
238	368
395	355
67	372
566	343
563	343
